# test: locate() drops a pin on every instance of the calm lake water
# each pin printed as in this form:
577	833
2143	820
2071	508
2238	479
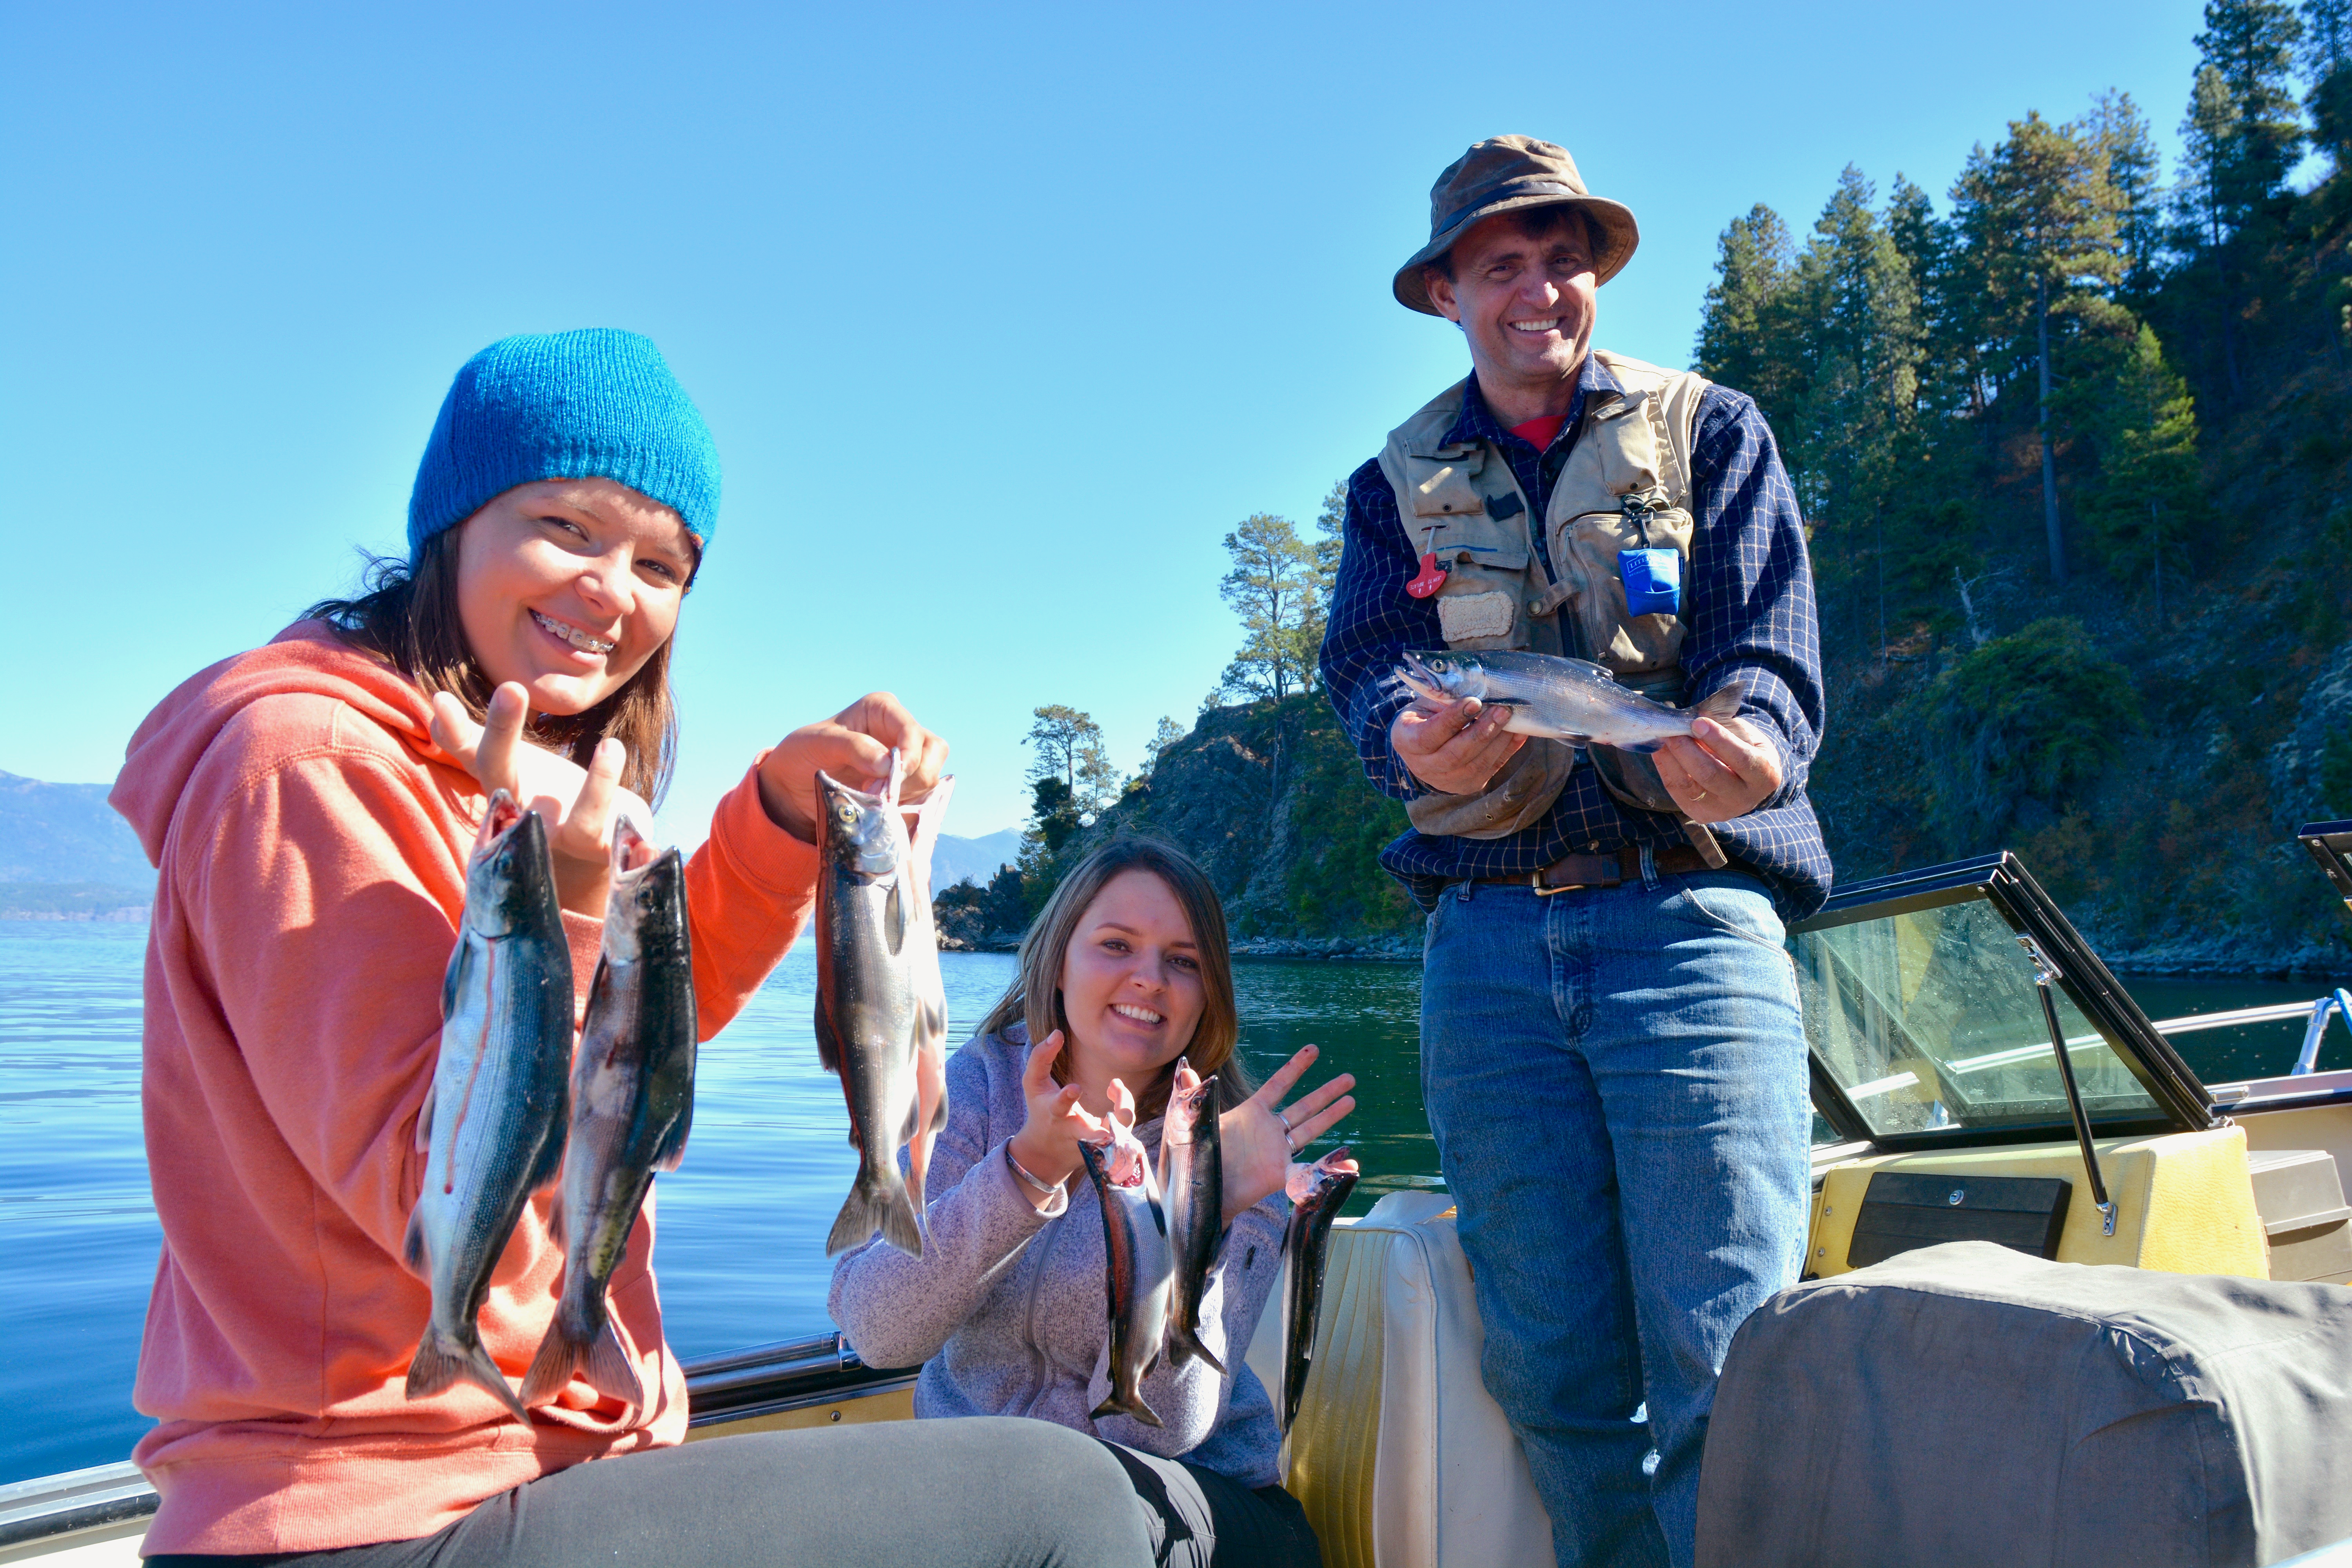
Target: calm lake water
744	1221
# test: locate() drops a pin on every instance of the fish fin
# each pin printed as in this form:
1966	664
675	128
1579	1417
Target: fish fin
894	914
424	1122
555	1229
599	1358
672	1147
1185	1344
1639	747
878	1202
1133	1409
453	978
828	1042
1721	703
549	1165
609	1370
437	1365
411	1246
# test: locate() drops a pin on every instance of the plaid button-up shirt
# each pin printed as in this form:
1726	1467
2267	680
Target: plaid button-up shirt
1748	608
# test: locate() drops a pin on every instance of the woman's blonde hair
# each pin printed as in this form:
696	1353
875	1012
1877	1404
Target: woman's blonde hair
1034	998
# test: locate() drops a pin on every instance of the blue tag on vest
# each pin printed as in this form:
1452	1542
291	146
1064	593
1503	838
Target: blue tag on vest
1653	581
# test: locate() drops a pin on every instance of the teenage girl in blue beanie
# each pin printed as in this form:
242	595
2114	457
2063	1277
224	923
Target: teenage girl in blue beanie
310	805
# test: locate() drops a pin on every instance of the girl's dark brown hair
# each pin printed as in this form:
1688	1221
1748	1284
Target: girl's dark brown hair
406	613
1034	998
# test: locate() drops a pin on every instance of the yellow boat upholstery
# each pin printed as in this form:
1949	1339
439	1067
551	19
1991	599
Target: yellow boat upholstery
2184	1201
1399	1456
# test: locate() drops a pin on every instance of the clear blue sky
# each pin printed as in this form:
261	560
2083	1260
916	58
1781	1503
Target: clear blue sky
1001	315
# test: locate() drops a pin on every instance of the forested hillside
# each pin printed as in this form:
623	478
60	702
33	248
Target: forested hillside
2071	443
2073	447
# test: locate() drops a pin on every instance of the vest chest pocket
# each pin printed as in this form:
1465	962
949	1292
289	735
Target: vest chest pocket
1453	513
1586	547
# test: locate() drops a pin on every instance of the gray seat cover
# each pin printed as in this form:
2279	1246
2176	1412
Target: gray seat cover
1966	1405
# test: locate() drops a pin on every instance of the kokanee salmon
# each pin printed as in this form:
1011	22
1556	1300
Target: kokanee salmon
632	1103
1558	698
492	1128
881	1010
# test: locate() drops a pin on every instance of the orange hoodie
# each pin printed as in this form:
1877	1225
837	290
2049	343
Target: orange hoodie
312	842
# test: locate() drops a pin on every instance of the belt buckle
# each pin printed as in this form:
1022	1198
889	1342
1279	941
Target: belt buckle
1534	880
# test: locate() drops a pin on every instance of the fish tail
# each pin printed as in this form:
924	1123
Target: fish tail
878	1202
442	1360
574	1347
1132	1407
1185	1344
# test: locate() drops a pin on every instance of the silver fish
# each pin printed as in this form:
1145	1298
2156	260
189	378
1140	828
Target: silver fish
1192	1181
1562	699
492	1128
1141	1269
1316	1192
880	1007
632	1103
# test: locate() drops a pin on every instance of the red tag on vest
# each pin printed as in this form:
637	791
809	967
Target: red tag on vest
1432	578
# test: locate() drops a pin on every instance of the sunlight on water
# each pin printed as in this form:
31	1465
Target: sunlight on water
742	1222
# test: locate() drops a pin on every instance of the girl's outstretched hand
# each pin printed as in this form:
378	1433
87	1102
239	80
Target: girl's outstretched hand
578	804
1258	1147
854	747
1047	1144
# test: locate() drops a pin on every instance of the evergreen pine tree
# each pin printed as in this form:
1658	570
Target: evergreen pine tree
1736	344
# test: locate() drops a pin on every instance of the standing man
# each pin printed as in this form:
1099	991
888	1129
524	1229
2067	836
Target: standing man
1611	1053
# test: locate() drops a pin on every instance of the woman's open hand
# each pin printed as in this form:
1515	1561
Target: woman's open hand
578	804
1261	1135
854	746
1047	1144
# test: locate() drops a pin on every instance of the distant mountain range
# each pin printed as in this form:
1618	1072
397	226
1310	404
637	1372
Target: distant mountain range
973	860
64	853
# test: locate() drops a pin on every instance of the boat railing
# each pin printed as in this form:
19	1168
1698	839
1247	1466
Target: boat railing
73	1504
2337	1004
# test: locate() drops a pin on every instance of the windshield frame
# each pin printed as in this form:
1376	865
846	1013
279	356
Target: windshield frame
2001	881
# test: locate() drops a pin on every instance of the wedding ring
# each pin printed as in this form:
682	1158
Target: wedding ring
1289	1138
1700	795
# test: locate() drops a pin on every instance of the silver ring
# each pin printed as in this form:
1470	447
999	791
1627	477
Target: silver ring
1289	1138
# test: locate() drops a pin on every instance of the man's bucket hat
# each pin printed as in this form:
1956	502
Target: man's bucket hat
1502	174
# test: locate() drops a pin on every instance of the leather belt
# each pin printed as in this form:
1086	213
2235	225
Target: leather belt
1575	873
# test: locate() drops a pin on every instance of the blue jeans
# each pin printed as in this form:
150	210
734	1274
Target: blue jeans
1617	1082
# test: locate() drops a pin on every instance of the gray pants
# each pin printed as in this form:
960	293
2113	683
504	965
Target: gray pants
987	1492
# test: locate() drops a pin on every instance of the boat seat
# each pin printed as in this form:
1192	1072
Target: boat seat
1399	1456
2184	1201
1967	1403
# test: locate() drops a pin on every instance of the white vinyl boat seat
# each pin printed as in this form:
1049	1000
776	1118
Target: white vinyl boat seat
1399	1456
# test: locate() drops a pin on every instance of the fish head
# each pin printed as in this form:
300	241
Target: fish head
1329	1178
510	878
647	906
1191	1098
862	831
1442	677
1120	1162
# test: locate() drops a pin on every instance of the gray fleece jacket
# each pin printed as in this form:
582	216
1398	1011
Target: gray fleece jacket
1006	1308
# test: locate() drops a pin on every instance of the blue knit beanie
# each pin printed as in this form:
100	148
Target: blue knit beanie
595	403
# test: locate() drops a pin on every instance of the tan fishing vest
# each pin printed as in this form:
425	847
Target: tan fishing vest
1626	485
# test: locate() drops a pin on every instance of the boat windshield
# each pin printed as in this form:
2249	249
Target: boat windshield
1922	1014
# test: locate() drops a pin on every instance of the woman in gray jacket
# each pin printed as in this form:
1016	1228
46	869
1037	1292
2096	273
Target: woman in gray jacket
1124	971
